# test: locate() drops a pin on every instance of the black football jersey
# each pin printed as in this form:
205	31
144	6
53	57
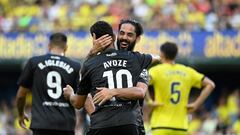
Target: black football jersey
46	76
144	78
113	69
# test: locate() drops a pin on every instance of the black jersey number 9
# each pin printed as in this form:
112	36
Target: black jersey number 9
54	82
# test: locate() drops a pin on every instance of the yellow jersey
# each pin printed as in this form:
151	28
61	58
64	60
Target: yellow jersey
236	127
172	85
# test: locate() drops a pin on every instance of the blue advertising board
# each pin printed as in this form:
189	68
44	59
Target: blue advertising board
225	44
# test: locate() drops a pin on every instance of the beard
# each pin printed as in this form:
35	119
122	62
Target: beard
130	46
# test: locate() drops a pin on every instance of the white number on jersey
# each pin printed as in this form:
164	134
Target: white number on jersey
118	78
54	82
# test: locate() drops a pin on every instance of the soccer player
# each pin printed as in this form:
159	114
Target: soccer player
129	34
172	83
117	111
45	76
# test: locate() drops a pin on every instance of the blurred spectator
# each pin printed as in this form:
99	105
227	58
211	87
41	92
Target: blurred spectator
222	115
209	124
3	118
236	126
232	105
195	124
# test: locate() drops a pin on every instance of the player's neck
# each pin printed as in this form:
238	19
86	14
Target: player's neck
57	52
171	62
111	46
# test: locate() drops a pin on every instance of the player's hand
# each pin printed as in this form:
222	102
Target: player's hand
191	107
102	96
101	43
67	92
89	106
21	120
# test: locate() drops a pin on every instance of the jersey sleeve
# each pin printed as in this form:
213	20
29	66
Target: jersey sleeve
144	60
76	82
196	78
151	76
84	85
26	78
144	77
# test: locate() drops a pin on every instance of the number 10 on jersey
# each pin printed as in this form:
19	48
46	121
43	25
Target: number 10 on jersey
118	79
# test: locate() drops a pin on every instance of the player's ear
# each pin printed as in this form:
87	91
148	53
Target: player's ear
161	55
93	36
49	47
65	49
114	37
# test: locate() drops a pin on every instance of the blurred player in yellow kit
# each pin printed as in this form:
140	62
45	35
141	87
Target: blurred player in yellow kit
172	83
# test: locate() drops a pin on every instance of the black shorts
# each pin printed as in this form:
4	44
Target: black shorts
117	130
51	132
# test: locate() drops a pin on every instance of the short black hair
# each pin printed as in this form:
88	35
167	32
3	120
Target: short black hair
101	28
136	24
58	39
170	50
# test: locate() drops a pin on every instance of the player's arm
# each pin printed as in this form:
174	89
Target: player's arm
155	58
99	44
148	98
21	101
142	84
208	86
76	100
132	93
89	105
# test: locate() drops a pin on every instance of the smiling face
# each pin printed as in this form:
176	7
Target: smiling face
127	37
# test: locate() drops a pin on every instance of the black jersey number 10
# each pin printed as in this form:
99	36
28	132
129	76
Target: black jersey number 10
118	79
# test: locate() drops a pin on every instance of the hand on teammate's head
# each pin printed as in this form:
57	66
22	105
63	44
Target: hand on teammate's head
101	43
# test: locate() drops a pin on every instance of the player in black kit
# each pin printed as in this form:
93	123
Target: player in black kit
127	28
45	76
119	111
129	34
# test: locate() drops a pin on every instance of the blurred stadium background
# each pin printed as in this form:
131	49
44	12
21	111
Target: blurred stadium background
207	32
